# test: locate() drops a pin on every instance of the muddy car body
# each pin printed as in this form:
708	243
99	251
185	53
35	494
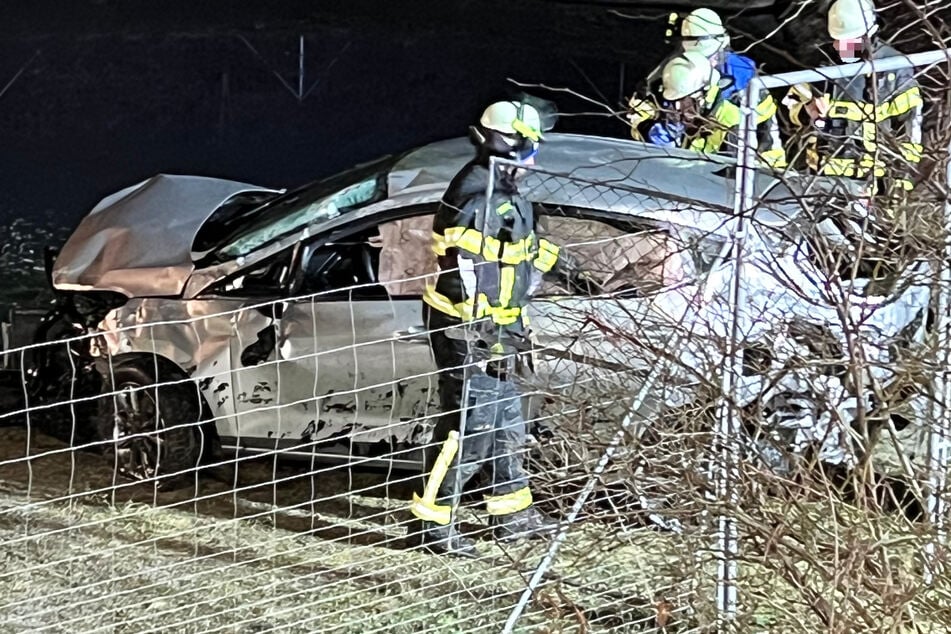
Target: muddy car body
291	321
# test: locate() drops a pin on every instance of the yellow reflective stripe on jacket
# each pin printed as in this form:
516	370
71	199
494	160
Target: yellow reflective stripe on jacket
506	285
726	117
547	256
775	158
900	104
851	110
465	310
863	111
911	152
765	109
508	503
851	168
464	238
488	247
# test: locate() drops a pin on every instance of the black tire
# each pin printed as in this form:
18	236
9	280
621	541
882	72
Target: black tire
151	425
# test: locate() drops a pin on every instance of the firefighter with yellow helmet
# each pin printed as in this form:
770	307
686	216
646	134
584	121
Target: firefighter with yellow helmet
866	127
698	117
489	261
700	31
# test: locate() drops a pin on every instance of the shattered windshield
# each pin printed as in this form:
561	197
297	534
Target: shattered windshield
316	203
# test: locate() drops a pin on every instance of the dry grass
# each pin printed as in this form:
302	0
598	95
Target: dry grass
302	555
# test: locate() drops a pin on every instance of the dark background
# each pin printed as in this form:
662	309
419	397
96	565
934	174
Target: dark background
114	91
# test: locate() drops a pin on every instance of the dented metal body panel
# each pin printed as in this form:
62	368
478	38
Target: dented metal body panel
292	316
349	378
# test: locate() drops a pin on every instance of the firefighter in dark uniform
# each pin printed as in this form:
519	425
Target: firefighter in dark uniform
846	126
489	262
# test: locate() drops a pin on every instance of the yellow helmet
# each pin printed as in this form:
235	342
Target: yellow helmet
702	31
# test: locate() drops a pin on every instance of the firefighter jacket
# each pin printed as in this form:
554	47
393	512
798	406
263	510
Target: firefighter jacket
872	125
488	255
715	128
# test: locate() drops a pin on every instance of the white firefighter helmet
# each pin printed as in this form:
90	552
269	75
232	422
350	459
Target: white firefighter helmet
852	19
687	74
510	119
702	31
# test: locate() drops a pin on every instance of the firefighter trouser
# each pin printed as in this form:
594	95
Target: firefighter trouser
493	438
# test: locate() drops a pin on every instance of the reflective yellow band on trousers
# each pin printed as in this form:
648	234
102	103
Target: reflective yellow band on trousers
425	508
508	503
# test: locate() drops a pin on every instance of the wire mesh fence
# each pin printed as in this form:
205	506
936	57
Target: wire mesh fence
729	422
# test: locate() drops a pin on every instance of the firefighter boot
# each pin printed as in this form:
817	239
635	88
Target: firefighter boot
527	523
441	540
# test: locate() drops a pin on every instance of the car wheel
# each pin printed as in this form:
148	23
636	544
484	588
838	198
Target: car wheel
60	381
149	422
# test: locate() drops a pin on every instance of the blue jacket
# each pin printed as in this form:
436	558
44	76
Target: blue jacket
740	68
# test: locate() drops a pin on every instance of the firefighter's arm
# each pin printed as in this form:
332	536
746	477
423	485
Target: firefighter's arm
769	145
805	104
555	261
906	106
639	111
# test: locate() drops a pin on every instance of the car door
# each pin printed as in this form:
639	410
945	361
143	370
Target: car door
354	364
650	279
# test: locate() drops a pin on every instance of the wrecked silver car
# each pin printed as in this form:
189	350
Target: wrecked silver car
291	321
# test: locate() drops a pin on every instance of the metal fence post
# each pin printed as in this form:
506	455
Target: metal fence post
726	440
940	425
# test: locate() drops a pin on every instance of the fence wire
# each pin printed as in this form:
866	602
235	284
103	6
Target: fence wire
245	461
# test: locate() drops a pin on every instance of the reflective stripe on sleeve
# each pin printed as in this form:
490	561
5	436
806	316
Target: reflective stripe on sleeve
547	256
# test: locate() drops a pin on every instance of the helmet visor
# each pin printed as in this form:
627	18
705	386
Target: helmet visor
527	131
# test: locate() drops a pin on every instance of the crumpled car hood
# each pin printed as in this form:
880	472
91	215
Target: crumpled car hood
138	241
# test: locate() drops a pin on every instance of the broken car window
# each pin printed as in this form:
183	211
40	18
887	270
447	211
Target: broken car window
304	214
322	201
627	254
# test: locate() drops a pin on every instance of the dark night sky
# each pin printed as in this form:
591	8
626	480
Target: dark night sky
118	90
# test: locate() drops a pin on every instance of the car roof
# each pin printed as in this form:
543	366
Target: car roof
138	241
669	185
